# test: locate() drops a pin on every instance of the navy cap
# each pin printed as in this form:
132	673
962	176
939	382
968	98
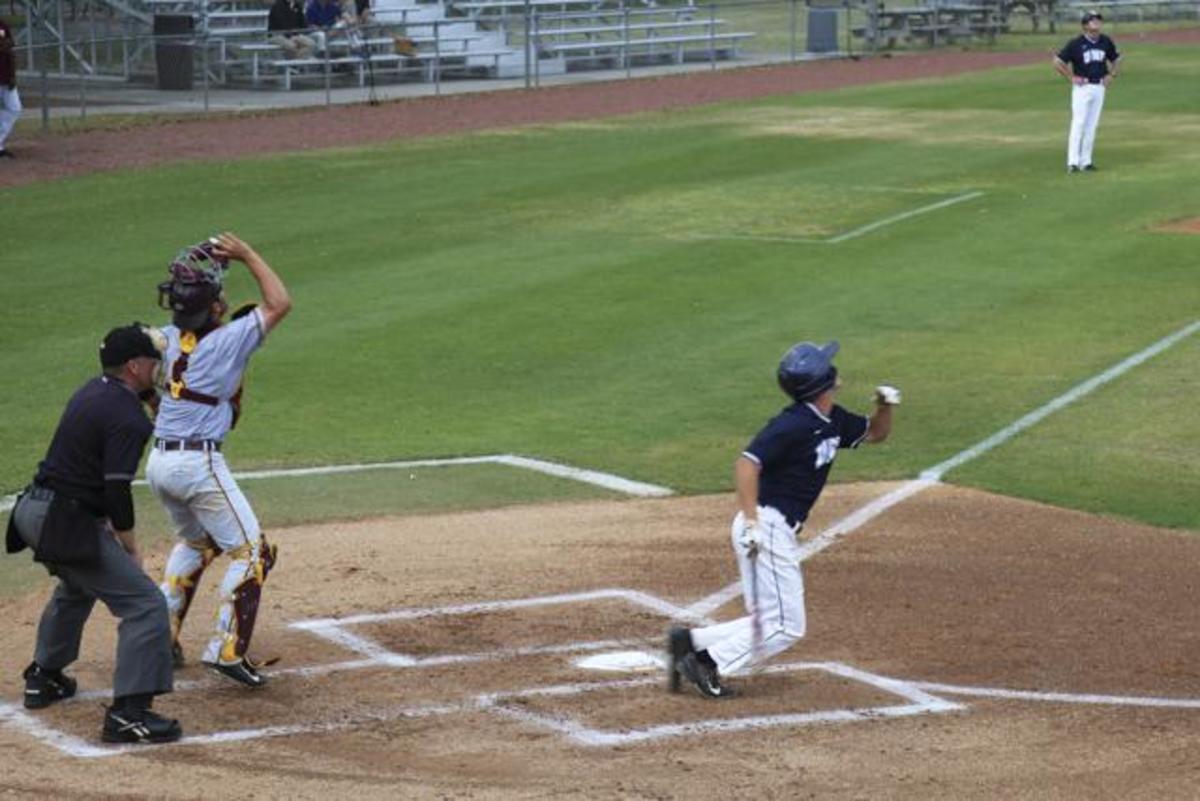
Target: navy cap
1088	16
125	343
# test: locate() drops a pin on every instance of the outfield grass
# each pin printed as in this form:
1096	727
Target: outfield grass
536	291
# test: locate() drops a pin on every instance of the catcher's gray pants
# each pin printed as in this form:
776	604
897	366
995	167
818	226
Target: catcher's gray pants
144	635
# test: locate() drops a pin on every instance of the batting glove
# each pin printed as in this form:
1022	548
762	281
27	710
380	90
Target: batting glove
748	540
887	395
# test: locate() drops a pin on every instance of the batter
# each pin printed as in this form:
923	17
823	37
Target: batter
778	478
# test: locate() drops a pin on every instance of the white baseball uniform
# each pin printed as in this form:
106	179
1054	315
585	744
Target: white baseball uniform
188	474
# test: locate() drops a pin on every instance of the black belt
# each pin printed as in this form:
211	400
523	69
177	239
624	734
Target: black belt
187	445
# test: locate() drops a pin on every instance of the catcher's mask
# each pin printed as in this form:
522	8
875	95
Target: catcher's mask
197	277
807	370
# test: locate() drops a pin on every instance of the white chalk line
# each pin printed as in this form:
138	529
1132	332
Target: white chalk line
596	478
936	472
376	655
905	215
577	731
635	597
1060	697
933	475
853	233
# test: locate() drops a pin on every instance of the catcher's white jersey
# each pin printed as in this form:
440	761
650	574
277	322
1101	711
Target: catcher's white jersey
212	366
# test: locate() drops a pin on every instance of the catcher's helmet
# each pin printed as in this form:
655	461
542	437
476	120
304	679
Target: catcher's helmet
807	370
197	277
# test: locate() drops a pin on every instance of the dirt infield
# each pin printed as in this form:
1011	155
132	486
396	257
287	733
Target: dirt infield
952	587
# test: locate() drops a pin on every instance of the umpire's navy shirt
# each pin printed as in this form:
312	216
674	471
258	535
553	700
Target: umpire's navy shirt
100	438
1089	59
796	450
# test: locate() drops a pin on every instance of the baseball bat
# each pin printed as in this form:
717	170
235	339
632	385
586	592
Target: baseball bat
756	645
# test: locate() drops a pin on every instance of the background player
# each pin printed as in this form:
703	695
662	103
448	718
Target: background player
205	361
1089	62
778	478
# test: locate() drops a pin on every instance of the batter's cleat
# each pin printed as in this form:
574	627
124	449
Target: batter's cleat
6	153
703	677
679	645
45	687
138	726
1090	168
242	671
1072	169
177	655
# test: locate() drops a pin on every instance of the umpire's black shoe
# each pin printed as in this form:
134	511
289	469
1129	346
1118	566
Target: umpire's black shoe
138	726
6	153
242	671
44	687
703	677
679	645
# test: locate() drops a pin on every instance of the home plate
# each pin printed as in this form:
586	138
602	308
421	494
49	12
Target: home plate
625	661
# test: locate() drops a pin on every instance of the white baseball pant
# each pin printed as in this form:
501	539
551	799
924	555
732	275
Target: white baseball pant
202	499
780	599
1087	100
10	110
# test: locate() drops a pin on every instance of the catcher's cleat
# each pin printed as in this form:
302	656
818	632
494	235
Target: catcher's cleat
242	671
44	687
679	645
703	677
138	726
177	655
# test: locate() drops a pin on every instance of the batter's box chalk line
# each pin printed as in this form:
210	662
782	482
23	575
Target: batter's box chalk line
596	478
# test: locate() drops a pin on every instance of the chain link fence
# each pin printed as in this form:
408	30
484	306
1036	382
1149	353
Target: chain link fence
81	63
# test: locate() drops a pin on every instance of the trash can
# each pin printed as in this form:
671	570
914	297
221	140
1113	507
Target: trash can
822	30
174	55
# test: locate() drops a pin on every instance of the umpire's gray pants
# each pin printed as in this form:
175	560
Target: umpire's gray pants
144	636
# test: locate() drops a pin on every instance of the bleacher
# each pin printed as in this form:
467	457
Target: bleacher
624	37
427	40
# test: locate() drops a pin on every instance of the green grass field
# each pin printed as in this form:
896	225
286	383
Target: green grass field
545	291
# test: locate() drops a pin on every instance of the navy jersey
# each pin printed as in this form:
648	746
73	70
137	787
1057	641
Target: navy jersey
1089	59
99	439
796	450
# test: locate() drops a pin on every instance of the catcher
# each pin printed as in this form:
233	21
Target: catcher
203	368
778	478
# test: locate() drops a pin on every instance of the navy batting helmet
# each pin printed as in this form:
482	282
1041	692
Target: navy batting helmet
807	370
197	277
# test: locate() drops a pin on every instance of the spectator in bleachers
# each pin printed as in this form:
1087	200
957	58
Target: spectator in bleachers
10	101
322	14
356	12
286	26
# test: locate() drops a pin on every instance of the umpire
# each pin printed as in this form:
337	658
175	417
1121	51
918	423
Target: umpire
77	516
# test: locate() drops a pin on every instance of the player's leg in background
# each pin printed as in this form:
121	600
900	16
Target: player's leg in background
225	514
1079	103
173	478
1091	122
10	110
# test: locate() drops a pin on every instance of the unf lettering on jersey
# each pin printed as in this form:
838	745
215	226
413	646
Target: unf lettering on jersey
826	451
1094	56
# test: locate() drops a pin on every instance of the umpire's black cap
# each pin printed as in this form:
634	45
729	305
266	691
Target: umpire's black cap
125	343
1088	16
